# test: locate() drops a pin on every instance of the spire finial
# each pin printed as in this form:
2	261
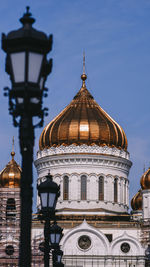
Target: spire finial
13	153
83	62
83	76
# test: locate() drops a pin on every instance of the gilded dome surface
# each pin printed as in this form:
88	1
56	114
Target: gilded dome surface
10	176
83	121
145	180
136	202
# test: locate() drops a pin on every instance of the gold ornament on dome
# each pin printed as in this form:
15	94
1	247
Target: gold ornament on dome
83	121
10	176
145	180
136	202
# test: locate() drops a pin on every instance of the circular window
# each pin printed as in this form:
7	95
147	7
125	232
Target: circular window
41	246
84	242
125	247
9	250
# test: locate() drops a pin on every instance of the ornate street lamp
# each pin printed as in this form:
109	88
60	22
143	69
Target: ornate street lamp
49	192
28	67
55	235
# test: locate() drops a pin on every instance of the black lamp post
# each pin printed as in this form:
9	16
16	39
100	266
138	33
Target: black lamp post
147	256
27	65
49	192
58	264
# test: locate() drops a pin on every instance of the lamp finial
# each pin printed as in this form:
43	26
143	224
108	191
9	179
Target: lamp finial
27	17
27	8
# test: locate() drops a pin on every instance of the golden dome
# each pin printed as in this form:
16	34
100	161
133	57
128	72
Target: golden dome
145	180
83	121
136	202
10	176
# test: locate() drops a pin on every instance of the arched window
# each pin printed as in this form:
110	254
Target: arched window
101	188
10	209
83	187
125	192
115	190
66	188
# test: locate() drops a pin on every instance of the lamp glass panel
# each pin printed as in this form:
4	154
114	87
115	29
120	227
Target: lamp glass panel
57	238
51	202
52	238
34	100
20	100
18	66
44	200
35	62
41	83
58	258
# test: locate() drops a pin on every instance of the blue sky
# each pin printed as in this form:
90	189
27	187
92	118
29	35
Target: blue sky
115	35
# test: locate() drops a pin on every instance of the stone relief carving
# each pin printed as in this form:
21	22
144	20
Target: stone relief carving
83	149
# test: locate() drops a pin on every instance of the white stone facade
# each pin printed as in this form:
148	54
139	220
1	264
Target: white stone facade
104	253
101	252
93	162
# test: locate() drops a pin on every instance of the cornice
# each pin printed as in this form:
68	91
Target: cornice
122	217
80	160
73	149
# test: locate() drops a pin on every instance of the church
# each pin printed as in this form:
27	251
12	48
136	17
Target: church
87	154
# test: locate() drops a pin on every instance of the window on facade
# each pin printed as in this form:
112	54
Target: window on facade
121	192
83	187
10	209
101	188
9	250
66	188
115	190
125	192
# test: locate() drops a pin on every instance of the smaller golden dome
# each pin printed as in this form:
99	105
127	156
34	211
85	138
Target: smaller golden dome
10	176
136	202
145	180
